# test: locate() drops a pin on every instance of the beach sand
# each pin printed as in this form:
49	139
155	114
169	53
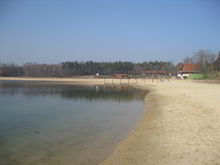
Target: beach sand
181	123
181	126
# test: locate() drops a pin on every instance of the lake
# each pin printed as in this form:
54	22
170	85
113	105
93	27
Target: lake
49	124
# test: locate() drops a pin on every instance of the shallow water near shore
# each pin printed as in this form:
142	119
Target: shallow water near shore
64	124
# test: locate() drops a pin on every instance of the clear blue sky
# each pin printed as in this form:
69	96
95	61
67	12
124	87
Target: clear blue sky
52	31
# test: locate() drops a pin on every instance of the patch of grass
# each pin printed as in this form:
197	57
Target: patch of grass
197	76
200	76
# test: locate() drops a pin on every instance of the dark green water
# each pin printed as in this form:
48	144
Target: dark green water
48	124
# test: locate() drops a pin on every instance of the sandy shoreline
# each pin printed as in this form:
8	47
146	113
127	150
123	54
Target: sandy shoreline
180	126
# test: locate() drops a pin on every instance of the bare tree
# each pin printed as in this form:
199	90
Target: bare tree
205	59
217	62
188	60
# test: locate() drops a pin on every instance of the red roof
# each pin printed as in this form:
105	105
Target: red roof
190	67
120	75
153	71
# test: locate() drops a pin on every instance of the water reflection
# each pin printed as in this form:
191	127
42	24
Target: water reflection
51	124
89	93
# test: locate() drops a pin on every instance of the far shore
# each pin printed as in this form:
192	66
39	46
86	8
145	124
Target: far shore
74	80
180	125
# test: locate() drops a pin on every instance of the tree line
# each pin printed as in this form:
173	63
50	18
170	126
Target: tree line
205	59
75	68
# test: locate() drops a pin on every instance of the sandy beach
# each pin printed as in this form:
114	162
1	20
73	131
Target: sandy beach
180	125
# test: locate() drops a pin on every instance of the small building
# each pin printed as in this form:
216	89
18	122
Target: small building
153	73
186	70
120	76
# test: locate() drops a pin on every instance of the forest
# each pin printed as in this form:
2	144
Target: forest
75	68
208	62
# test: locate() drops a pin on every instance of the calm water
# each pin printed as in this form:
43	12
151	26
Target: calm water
42	124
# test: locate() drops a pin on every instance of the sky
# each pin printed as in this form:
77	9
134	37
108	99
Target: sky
54	31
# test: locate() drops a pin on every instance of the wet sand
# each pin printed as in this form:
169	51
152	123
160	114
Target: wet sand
181	124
